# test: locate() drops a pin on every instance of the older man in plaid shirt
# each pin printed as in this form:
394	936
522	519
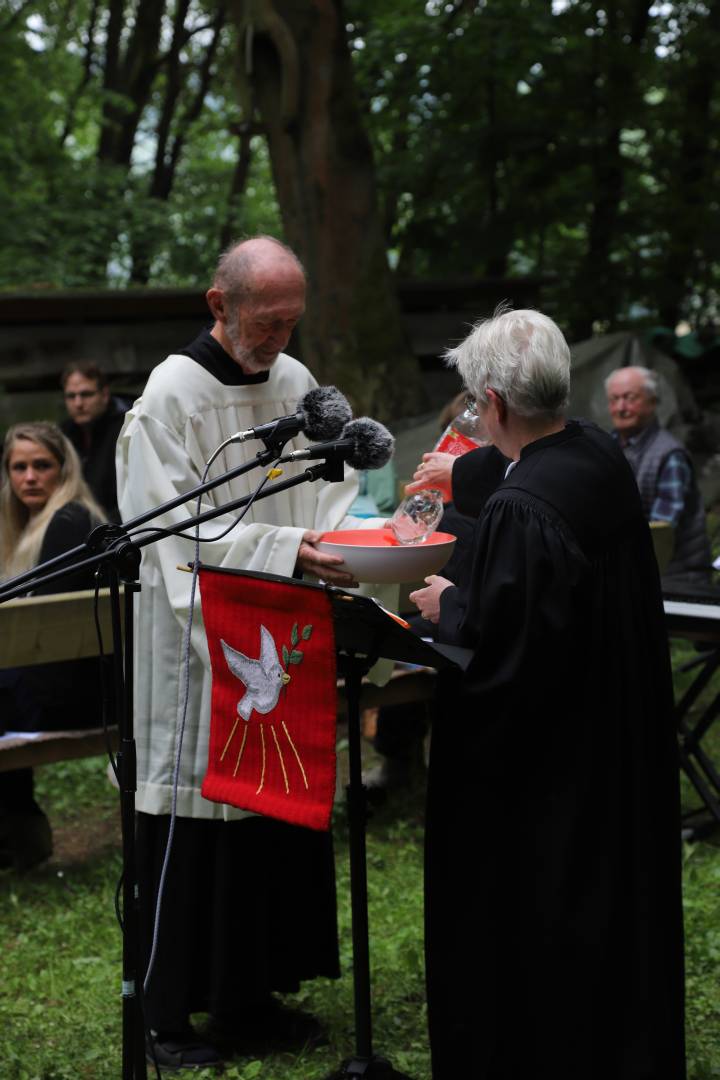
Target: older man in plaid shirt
662	466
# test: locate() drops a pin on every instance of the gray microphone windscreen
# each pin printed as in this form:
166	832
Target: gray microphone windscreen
373	443
326	412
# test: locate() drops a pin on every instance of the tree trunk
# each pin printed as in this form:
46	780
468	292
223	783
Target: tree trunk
600	286
172	130
237	189
297	67
691	248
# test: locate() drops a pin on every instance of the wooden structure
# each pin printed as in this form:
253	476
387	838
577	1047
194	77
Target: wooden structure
43	629
128	331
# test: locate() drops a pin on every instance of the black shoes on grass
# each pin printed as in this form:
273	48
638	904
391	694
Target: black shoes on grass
259	1028
181	1050
25	840
265	1027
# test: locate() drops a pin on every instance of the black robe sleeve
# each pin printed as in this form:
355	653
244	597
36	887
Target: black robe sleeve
475	476
518	597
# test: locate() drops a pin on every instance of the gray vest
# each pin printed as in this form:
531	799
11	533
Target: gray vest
647	455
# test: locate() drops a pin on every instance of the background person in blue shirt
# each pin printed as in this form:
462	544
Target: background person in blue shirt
662	466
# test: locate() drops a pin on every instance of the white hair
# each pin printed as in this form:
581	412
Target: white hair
650	380
522	356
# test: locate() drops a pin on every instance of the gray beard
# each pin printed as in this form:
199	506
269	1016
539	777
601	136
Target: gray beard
246	358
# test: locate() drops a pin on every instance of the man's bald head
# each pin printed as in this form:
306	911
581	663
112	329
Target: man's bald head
257	297
244	267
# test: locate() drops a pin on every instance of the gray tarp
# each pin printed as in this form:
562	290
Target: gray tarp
594	359
592	362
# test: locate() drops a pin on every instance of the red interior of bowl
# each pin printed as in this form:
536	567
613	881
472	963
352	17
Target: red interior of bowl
377	538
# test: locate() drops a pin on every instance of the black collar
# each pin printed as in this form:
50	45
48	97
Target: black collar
571	430
211	356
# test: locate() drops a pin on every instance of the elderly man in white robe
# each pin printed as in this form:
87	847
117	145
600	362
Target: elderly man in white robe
249	903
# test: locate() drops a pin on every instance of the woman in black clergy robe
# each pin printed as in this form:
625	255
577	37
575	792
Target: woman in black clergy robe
553	896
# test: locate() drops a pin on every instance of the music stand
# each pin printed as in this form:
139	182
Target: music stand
363	634
690	613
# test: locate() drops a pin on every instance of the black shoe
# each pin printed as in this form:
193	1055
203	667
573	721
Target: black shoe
266	1026
181	1050
25	840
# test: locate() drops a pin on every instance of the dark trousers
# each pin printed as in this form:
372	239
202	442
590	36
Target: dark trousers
248	908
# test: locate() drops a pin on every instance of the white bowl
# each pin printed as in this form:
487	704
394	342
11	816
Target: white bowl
374	555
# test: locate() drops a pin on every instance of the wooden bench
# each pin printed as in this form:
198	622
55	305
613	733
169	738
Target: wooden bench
40	630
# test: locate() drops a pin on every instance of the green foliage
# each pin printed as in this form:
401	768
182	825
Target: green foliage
560	140
79	216
570	141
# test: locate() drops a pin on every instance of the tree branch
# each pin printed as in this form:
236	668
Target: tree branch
195	108
15	16
86	76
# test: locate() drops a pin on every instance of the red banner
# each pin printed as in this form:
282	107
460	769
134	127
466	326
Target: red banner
272	728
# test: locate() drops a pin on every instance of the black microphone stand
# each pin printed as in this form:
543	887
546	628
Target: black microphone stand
119	555
101	537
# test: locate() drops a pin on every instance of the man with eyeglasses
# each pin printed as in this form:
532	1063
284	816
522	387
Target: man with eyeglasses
93	425
662	466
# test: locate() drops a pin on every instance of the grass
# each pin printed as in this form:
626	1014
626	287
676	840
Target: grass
60	1000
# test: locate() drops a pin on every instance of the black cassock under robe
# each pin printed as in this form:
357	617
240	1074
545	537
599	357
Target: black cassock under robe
554	919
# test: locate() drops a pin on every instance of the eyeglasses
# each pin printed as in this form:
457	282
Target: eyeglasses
84	394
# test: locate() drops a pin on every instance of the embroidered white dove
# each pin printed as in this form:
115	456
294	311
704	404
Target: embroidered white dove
263	678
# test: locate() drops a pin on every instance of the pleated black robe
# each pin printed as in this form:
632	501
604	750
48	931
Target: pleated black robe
554	919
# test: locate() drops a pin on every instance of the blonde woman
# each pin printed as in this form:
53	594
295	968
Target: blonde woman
45	509
45	505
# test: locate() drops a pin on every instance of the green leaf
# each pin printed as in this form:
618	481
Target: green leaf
251	1070
294	635
307	631
296	656
285	655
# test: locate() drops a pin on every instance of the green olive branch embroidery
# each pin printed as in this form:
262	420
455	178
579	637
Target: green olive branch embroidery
294	655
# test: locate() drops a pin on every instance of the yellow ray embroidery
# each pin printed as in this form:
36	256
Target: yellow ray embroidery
230	736
282	761
240	752
297	756
262	773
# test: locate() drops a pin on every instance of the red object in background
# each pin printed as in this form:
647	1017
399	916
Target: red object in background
273	714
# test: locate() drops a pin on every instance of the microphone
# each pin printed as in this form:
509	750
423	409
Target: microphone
365	444
322	413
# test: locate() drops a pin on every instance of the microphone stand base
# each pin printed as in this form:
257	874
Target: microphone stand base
372	1068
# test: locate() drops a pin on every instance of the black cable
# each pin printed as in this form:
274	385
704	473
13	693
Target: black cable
160	532
186	694
119	913
104	679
